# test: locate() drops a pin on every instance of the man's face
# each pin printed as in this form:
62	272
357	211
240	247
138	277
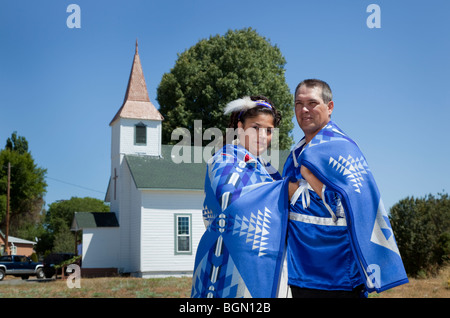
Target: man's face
311	111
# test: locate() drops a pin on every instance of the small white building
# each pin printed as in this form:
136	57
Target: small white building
156	220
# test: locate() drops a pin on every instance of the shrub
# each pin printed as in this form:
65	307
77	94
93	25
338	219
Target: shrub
422	230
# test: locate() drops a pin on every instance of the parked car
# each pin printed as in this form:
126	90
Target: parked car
20	266
52	261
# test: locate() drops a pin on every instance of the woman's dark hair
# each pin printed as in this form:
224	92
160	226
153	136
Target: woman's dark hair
255	111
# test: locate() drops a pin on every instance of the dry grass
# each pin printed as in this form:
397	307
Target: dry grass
126	287
434	287
113	287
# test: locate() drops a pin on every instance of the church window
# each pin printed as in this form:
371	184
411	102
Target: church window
183	236
140	134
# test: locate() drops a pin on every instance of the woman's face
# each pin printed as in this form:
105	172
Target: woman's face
256	133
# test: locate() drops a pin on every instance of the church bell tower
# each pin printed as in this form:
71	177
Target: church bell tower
135	129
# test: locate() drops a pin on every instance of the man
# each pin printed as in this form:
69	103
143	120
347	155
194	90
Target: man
340	243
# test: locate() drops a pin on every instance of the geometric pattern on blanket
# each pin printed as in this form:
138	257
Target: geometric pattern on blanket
255	228
352	168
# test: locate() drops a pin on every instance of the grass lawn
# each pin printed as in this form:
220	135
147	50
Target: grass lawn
433	287
108	287
127	287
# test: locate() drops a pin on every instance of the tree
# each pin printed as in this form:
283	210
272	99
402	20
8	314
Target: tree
27	188
63	241
58	220
218	70
422	230
17	143
61	213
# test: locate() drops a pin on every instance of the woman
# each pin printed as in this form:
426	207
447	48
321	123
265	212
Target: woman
245	211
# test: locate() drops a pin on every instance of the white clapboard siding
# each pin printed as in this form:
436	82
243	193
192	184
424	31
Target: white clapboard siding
97	253
159	208
122	137
129	221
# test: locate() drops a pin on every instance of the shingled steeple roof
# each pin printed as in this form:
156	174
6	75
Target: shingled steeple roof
137	104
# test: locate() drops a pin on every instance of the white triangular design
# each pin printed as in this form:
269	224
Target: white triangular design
351	168
378	236
236	228
237	284
255	230
334	163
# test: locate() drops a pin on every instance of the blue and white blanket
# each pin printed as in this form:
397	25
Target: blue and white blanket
245	212
336	160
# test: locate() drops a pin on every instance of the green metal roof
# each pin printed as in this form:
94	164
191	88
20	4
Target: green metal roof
83	220
154	172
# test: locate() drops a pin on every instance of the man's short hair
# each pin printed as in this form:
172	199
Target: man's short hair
327	95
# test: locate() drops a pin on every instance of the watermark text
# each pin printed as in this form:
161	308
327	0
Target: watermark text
256	139
74	19
374	19
74	279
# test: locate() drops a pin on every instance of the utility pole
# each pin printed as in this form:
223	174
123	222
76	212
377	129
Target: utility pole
7	209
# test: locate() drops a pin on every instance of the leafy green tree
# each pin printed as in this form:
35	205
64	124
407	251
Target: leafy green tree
61	213
17	143
218	70
422	230
58	220
27	188
64	241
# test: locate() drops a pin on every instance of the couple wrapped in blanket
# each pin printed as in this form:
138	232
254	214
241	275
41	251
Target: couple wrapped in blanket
266	231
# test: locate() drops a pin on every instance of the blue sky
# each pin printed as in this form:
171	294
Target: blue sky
60	87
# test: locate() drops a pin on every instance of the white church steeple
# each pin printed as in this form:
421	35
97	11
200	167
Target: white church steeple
136	127
136	104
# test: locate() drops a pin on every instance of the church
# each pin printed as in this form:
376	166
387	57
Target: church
156	201
156	204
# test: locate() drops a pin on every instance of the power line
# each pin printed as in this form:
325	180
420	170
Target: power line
76	185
